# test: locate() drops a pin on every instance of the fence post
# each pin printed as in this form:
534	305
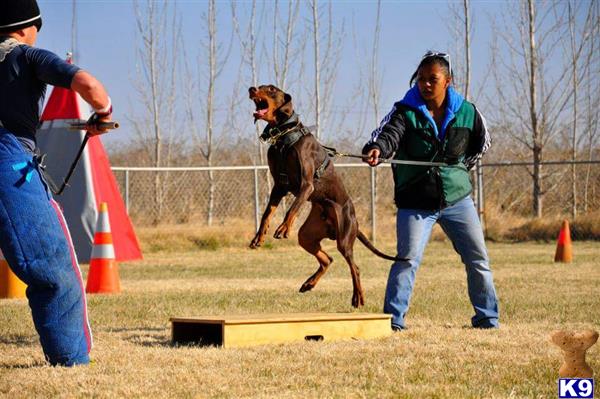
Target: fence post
373	203
256	216
127	190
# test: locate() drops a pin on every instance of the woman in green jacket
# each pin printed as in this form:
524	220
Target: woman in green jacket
433	123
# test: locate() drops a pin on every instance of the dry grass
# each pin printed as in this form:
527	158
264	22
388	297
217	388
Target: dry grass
500	227
438	357
176	238
505	226
585	227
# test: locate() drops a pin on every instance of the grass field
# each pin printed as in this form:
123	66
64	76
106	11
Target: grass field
438	357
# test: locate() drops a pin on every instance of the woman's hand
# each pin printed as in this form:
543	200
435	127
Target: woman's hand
372	157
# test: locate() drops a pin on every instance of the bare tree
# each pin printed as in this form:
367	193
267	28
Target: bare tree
212	76
156	84
467	33
529	42
248	43
460	27
462	77
574	57
467	91
578	36
281	64
592	103
536	132
317	66
74	49
374	95
374	78
325	62
359	100
212	60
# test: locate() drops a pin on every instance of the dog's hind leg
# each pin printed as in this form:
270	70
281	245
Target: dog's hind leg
358	295
310	235
347	229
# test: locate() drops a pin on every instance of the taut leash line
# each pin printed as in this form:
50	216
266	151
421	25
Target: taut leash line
335	153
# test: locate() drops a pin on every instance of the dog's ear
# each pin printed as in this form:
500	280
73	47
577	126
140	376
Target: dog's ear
287	109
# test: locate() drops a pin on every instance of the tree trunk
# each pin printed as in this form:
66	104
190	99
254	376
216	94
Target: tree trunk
74	49
158	203
537	144
212	62
374	89
315	12
591	103
574	137
537	182
467	50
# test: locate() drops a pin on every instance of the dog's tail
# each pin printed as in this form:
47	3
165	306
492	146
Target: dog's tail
377	252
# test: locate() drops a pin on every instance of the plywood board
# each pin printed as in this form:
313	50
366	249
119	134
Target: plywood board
248	330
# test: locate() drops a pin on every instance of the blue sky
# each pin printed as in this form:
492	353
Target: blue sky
107	41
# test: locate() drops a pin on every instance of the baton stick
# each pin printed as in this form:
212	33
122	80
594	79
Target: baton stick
100	125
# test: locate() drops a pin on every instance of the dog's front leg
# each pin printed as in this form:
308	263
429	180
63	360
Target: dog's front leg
274	199
305	191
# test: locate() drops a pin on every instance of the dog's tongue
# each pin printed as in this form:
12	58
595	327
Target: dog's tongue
261	112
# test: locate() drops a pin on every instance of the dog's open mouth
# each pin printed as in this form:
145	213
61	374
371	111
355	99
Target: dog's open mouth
262	107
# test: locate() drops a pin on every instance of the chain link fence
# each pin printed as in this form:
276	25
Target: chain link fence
222	195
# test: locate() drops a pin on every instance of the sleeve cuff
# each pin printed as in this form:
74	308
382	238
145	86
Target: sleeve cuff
369	146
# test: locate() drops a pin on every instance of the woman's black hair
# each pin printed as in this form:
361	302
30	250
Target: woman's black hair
432	58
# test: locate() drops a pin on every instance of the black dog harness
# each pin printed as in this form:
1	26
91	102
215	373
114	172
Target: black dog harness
282	138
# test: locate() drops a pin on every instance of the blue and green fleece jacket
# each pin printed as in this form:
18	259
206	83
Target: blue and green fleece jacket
408	132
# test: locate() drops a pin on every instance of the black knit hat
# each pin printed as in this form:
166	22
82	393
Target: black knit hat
19	14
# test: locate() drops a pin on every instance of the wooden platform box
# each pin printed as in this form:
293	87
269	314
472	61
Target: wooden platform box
247	330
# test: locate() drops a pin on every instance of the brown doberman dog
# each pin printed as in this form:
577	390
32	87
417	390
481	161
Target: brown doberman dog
300	165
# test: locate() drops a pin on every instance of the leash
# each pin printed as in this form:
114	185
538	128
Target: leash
334	153
83	126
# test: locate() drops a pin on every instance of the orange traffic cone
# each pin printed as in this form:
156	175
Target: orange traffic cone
103	276
564	252
10	285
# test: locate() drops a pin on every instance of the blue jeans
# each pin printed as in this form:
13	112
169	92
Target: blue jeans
36	243
461	224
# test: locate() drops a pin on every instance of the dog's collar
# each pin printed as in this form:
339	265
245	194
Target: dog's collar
276	134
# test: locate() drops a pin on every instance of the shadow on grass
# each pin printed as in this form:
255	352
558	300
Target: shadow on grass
150	340
130	329
147	337
16	366
18	340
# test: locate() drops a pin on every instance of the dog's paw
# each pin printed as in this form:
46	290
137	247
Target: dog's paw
282	231
307	286
256	241
358	299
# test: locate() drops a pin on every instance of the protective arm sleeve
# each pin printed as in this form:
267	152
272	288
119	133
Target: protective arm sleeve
479	142
388	136
50	68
